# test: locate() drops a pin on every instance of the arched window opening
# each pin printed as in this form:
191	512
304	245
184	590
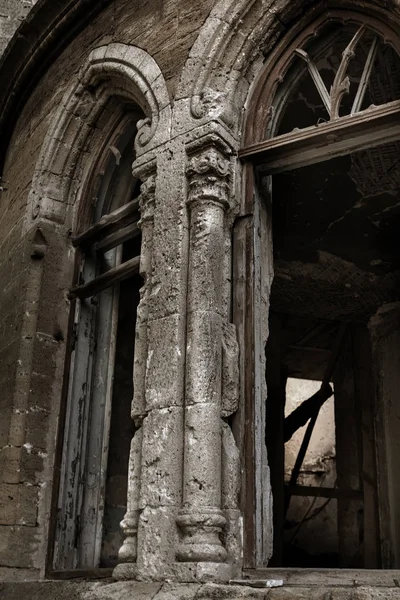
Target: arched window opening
342	70
97	428
323	136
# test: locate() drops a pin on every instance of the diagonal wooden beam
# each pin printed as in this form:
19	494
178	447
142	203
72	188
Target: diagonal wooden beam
106	280
108	223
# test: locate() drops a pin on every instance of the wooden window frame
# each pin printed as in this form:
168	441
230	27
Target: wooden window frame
106	235
261	158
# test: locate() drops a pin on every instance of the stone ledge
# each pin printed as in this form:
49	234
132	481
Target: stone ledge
132	590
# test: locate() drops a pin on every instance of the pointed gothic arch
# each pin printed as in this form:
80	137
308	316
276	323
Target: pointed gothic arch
230	53
116	111
341	131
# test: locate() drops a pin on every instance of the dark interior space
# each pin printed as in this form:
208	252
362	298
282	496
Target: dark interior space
336	264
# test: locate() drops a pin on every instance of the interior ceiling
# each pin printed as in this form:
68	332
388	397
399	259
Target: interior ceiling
336	224
306	345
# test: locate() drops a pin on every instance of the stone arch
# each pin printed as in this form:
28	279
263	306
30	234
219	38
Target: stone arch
232	45
218	83
248	101
112	71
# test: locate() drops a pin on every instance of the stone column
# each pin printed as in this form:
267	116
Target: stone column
201	519
128	552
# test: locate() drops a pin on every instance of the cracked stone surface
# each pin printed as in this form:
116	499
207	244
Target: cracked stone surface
123	590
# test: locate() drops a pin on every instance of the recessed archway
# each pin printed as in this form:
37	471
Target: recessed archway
328	51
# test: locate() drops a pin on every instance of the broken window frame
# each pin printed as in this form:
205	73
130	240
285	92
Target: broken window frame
76	540
252	247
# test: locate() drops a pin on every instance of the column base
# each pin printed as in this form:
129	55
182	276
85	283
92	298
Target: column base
125	571
202	572
189	572
201	541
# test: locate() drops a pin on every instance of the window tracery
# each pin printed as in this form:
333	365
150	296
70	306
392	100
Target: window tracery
335	89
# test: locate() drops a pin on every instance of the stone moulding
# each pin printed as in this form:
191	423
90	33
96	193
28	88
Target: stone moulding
231	47
42	35
203	552
230	370
115	70
128	553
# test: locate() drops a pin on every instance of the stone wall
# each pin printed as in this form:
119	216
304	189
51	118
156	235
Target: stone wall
35	322
183	520
295	586
12	12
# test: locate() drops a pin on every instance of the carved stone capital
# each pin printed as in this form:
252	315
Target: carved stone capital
208	173
145	169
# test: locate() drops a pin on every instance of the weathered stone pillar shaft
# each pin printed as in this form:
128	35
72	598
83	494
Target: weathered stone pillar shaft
146	223
129	524
201	519
128	552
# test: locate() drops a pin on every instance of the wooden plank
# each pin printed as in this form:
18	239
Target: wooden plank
100	573
275	416
75	435
323	492
62	420
118	237
108	223
92	509
252	278
385	335
66	555
263	271
243	425
114	275
364	388
366	129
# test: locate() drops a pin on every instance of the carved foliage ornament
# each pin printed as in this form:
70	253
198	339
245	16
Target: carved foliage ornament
209	102
209	174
